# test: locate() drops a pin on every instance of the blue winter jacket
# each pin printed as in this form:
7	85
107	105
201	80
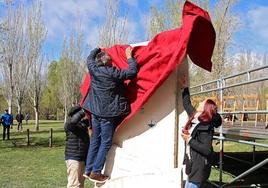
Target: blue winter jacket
6	119
106	97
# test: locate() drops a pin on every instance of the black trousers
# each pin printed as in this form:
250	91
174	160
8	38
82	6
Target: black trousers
6	129
19	126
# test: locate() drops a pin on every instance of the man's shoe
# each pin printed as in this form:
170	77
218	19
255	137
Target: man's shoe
98	178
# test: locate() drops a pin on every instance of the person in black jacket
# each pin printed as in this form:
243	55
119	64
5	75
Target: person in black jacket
19	118
76	149
198	134
107	104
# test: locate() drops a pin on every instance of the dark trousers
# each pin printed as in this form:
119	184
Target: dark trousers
19	126
6	129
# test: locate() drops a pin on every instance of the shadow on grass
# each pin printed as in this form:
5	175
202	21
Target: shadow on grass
257	178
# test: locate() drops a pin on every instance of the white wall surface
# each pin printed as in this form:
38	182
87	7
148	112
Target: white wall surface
143	156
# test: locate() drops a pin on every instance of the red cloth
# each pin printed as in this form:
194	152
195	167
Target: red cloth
163	54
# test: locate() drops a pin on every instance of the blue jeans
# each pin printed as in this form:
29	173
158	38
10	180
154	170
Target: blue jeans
100	143
191	185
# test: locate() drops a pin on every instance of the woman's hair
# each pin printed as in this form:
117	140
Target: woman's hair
103	59
210	109
209	115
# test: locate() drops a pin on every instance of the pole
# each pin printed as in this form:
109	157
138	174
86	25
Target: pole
176	127
220	84
50	137
28	137
254	152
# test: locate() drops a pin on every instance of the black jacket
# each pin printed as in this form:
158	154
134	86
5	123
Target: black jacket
77	138
201	150
106	97
19	118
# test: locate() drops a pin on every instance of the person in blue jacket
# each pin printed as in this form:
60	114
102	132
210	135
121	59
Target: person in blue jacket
107	104
7	121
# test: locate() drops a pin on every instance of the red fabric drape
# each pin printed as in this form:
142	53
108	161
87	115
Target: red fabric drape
164	52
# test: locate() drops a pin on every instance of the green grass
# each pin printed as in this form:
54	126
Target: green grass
37	165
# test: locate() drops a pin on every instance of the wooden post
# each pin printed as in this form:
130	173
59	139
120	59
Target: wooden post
28	137
50	137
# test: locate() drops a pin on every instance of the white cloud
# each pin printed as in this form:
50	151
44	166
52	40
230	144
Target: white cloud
62	16
258	21
92	37
136	30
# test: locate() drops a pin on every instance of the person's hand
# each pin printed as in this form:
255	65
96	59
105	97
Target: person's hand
186	137
183	81
129	52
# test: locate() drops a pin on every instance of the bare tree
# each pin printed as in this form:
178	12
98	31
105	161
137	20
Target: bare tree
113	31
165	18
70	70
36	34
23	61
11	49
225	24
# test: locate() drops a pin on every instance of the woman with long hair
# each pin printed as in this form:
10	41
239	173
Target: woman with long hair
198	134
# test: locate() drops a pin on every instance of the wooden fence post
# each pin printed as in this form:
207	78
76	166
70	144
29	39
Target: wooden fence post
50	137
28	137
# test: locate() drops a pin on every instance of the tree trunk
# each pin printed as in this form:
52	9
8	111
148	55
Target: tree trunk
11	89
65	113
36	118
10	104
19	107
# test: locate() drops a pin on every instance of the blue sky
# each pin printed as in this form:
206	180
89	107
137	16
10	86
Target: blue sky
253	33
60	16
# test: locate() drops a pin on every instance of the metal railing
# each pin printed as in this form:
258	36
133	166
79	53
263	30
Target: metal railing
220	87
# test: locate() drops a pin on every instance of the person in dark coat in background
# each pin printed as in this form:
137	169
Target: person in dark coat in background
198	134
107	104
19	118
27	117
76	149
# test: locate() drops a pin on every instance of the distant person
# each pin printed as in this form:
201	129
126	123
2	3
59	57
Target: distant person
27	117
77	142
7	121
107	104
19	118
245	117
198	134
